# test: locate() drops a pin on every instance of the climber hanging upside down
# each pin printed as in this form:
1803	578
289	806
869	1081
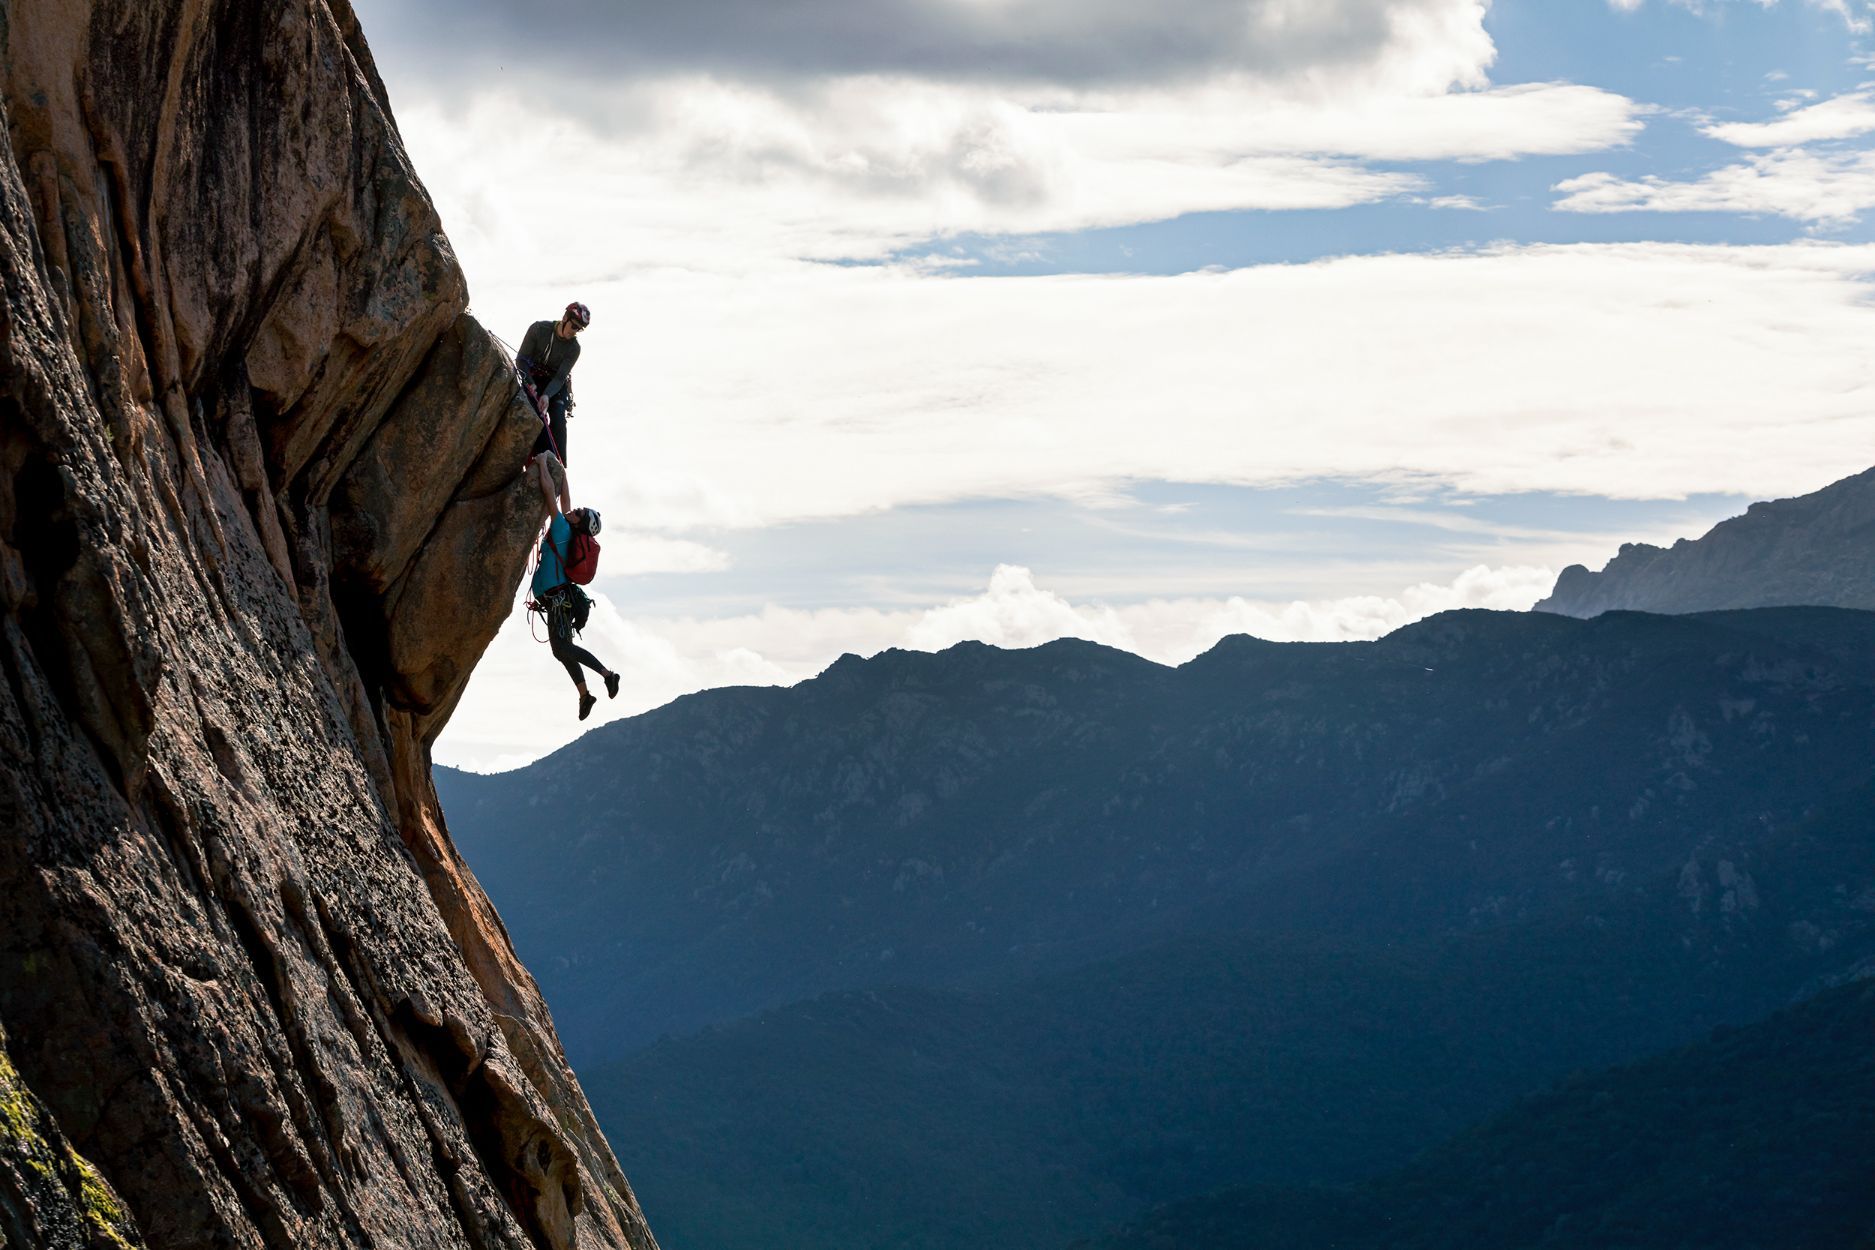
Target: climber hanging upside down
545	359
569	557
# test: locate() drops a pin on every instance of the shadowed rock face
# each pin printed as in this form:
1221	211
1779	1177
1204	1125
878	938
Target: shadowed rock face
260	513
1816	549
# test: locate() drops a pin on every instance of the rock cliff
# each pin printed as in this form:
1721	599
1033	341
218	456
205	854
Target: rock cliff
260	513
1815	549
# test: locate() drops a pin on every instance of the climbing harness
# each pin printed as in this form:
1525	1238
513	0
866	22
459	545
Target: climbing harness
568	598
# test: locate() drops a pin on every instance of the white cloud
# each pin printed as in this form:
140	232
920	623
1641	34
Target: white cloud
1529	119
1637	371
1826	189
731	177
520	705
635	553
739	180
1015	612
1843	117
775	131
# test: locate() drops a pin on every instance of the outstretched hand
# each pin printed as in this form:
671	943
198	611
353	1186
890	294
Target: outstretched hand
554	488
543	476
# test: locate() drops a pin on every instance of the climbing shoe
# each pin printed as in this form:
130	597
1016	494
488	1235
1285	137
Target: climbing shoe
586	700
611	685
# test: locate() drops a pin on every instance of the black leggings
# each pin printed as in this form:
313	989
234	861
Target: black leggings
565	650
572	654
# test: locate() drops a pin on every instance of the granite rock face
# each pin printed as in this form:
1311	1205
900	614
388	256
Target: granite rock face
261	511
1817	549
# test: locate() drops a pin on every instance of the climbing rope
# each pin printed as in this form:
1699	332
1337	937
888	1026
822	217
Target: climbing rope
533	606
527	389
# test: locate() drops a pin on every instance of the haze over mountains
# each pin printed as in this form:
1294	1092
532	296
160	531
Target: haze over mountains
1046	937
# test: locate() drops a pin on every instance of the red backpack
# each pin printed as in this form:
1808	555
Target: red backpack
582	559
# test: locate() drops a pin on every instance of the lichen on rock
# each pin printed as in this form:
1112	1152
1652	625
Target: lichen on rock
51	1197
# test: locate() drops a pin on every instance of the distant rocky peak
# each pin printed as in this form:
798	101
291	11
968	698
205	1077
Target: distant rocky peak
1817	549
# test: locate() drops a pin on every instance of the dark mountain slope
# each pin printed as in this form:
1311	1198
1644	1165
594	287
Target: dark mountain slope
1103	934
1816	549
1042	1111
1757	1137
979	815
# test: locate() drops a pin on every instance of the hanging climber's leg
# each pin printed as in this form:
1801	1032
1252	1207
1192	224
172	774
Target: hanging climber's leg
572	656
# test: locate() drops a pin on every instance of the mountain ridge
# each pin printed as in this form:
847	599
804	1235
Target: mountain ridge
929	791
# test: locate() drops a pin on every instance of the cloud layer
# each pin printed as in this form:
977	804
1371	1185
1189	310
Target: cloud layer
573	43
733	176
1635	371
727	134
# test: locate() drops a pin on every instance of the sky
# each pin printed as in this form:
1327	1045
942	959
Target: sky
917	321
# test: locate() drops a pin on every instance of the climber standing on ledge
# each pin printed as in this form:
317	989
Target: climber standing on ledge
569	556
546	357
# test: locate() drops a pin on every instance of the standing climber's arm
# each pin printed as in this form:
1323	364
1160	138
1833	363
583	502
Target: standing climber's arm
534	344
557	382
